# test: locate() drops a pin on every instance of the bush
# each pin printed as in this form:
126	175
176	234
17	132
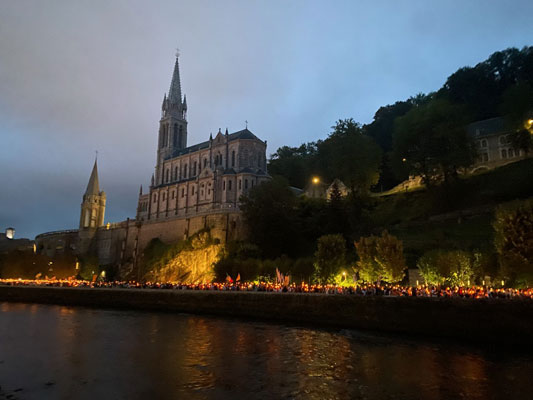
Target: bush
453	267
513	240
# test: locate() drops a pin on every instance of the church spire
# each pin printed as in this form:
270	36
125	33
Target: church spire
174	94
93	186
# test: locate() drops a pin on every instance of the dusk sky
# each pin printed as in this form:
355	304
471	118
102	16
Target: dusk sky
80	76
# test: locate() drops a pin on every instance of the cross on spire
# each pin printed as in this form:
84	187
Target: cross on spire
246	122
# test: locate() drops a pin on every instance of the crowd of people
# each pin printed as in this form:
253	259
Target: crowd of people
473	292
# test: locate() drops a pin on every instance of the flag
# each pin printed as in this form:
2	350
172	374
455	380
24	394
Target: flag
228	278
286	281
279	278
238	278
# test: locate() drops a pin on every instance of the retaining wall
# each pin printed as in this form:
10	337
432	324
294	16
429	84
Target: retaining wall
500	322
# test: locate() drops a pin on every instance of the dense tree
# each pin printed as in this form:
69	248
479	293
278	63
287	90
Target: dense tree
269	211
513	240
431	140
330	257
380	258
351	156
296	164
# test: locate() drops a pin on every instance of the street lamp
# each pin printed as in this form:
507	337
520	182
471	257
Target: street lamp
316	180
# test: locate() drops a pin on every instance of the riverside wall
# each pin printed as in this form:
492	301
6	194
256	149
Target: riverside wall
494	321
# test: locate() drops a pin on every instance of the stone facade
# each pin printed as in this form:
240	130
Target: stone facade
193	188
491	137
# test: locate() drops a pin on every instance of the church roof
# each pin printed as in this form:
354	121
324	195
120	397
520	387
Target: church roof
243	134
93	186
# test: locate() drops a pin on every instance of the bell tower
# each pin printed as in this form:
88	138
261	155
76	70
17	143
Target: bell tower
93	204
173	123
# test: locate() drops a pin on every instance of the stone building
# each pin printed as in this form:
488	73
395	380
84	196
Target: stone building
492	140
193	188
211	175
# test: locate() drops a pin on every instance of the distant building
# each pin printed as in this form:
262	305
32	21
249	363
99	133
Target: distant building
8	242
492	140
317	189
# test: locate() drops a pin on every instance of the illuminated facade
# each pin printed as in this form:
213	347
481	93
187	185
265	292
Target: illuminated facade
207	177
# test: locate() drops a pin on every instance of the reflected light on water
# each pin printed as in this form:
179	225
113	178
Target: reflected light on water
91	354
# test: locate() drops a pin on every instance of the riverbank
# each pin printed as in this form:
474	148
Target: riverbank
494	321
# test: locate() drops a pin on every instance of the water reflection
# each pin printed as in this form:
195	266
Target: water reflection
61	352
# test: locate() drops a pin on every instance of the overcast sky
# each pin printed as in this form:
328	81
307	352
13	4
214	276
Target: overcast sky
80	76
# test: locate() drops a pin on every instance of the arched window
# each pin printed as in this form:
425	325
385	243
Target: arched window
224	185
176	173
167	177
180	136
205	162
175	134
155	197
185	171
194	169
504	153
233	158
229	185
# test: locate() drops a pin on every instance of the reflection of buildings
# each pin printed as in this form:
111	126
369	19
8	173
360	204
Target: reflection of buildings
193	188
493	144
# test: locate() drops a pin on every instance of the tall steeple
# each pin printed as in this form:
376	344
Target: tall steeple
93	185
93	204
172	126
174	94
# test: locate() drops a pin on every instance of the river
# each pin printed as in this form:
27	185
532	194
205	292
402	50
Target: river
54	352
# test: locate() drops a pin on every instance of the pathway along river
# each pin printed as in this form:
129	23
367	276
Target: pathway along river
54	352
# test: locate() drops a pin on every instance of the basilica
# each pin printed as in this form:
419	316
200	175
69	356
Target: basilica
207	176
193	188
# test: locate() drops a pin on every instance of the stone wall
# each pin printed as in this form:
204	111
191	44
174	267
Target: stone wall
497	322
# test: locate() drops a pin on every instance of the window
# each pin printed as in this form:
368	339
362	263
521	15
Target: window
182	192
175	139
185	171
224	185
252	183
240	184
180	135
176	173
504	153
155	197
484	143
167	175
205	162
233	158
504	139
246	184
510	153
173	195
194	169
229	185
164	196
193	191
